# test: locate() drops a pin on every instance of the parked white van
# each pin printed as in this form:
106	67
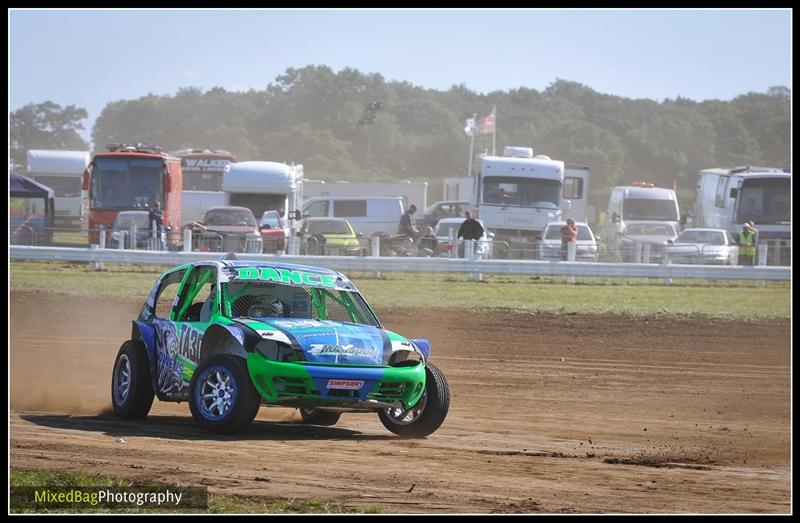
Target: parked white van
638	203
369	216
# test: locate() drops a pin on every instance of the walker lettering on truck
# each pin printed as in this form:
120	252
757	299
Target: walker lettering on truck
203	171
132	177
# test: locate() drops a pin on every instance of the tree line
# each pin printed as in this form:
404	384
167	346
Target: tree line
322	119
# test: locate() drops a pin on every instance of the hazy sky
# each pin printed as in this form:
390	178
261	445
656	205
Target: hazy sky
90	58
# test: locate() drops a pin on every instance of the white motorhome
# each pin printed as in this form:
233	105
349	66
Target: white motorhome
264	186
576	194
62	171
516	196
640	203
411	192
457	188
726	198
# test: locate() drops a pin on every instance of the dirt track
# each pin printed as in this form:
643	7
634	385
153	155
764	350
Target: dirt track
548	414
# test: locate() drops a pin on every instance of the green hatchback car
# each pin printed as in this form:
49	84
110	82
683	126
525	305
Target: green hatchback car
230	336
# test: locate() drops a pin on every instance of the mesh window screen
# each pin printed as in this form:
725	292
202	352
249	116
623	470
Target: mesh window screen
264	300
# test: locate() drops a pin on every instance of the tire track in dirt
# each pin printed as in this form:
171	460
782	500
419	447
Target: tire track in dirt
633	420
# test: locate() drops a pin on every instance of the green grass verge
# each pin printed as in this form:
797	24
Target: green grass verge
217	503
631	296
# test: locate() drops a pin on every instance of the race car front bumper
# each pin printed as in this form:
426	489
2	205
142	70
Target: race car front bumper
303	384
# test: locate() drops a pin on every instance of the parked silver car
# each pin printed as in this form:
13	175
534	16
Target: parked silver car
550	246
122	226
639	237
447	228
704	246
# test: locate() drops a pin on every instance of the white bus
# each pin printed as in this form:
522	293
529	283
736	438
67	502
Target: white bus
726	198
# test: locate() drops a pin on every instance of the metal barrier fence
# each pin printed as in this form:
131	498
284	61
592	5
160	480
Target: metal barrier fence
773	252
471	264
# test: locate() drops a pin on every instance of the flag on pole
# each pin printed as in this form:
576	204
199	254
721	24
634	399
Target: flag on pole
486	124
470	128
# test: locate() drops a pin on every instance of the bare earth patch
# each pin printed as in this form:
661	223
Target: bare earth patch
578	413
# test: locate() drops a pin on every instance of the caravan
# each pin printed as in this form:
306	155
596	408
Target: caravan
62	171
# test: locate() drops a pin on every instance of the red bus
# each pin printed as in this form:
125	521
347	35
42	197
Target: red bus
131	177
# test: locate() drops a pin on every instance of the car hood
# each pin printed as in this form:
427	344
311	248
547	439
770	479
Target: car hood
339	239
697	247
231	229
649	238
332	342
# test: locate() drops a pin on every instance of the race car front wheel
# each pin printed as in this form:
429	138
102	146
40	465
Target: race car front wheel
221	396
427	415
131	388
319	417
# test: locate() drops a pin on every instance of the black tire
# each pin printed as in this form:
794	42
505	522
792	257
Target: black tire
131	387
320	417
428	414
238	397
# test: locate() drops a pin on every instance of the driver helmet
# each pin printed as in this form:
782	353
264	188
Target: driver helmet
262	309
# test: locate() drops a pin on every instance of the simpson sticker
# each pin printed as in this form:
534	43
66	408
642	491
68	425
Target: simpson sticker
345	384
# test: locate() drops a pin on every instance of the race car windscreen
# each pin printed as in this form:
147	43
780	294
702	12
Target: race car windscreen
259	299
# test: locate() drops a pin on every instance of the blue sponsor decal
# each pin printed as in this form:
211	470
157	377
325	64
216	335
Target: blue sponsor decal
337	343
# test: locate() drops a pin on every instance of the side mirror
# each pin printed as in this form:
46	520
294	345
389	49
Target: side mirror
359	234
683	219
297	215
670	242
167	182
490	235
615	217
85	183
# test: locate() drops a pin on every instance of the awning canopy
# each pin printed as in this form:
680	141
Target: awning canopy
23	187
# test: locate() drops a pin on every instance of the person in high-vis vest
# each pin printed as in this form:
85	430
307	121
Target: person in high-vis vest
747	244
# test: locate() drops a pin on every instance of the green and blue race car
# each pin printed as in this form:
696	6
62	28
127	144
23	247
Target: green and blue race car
229	336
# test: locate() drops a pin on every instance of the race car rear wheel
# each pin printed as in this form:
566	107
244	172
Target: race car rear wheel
131	388
221	396
427	415
319	417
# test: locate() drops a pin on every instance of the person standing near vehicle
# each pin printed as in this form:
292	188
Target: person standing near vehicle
407	225
428	243
471	229
156	216
569	234
747	244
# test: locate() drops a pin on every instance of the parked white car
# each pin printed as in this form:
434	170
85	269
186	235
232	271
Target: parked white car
550	246
706	246
657	235
448	227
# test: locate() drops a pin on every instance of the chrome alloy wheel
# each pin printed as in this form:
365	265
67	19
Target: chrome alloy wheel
403	416
218	393
122	379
